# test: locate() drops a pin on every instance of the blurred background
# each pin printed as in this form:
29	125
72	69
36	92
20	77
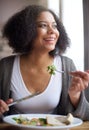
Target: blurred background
74	15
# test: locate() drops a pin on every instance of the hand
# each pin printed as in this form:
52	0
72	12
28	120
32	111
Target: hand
79	82
4	105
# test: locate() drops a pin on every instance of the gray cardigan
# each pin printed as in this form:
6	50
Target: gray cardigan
64	106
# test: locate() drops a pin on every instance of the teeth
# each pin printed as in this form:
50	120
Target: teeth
50	39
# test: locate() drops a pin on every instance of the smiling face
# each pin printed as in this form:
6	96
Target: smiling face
47	33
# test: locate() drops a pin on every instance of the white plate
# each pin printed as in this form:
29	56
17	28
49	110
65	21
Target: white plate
8	119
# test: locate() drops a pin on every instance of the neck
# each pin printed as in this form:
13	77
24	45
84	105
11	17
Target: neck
39	61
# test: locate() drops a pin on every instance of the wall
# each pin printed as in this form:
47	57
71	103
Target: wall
9	7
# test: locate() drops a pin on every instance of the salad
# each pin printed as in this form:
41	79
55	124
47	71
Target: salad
48	121
51	69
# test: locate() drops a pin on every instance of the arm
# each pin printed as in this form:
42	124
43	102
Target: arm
82	109
79	83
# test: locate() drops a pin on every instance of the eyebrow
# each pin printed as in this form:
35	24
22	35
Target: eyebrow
44	22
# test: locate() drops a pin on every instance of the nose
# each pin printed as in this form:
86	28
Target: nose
50	29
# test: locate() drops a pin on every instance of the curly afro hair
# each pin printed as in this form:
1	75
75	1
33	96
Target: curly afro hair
20	30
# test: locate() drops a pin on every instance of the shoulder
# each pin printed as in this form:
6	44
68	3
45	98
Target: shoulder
68	63
7	62
66	59
8	58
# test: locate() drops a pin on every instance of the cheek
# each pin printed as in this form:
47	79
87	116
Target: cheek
57	34
41	32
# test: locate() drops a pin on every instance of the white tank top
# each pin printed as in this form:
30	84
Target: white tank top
47	101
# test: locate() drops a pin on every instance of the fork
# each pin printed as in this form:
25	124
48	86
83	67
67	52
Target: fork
59	71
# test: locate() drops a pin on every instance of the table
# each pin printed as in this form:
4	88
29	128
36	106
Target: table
4	126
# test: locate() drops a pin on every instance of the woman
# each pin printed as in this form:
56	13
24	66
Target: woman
39	39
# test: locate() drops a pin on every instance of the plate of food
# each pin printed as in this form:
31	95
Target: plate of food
43	121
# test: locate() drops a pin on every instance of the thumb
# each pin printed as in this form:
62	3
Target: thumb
9	101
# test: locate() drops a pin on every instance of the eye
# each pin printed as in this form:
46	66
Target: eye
54	26
42	25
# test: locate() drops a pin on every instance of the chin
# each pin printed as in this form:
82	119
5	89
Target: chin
52	48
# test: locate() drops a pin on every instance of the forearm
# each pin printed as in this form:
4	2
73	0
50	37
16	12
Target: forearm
75	98
82	109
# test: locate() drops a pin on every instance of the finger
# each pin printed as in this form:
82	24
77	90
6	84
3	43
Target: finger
3	106
2	110
77	84
81	74
87	71
80	81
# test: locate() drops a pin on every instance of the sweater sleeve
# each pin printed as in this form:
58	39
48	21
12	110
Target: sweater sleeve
82	110
6	65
